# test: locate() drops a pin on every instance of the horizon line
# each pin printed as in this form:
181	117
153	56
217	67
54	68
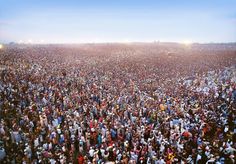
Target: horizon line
114	42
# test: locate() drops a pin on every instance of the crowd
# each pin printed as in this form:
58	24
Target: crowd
125	104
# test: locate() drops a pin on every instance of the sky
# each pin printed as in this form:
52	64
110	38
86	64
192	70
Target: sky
77	21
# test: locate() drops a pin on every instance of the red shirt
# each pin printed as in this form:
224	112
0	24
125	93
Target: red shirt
81	159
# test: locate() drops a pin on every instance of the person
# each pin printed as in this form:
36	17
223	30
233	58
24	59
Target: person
80	159
116	103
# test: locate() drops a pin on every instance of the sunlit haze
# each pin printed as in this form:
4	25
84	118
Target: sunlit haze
56	21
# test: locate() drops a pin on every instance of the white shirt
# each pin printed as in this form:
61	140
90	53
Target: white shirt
91	152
